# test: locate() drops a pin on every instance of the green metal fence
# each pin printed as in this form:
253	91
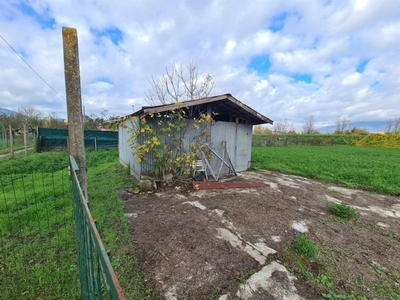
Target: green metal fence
37	234
49	248
97	277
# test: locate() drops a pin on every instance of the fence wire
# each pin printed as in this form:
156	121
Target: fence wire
37	235
97	277
49	245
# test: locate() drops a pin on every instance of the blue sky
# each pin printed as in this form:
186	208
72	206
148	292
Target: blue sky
286	59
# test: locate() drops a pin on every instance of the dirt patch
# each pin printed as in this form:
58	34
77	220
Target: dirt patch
238	243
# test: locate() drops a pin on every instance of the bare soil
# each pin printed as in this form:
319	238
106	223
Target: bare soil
238	243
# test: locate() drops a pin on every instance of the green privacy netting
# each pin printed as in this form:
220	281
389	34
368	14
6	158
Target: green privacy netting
57	139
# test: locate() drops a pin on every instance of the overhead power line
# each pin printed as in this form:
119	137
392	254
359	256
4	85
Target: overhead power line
31	68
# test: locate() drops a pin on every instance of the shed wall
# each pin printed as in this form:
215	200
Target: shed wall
238	138
125	155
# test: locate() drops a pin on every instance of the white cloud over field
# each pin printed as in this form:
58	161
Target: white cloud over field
286	59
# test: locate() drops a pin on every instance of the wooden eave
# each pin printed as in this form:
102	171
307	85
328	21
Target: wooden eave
222	104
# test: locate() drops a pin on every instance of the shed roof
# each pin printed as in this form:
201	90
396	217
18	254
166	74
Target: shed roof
223	105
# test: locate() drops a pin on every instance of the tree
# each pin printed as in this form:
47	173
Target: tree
53	121
359	131
342	125
179	84
94	122
14	119
309	125
283	127
261	129
392	126
30	116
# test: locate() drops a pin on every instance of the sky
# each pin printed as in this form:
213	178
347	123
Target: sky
287	60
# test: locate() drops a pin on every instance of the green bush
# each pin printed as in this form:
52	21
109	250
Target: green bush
282	140
380	141
342	210
304	246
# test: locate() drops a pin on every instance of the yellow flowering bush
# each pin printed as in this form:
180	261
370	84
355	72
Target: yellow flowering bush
380	140
164	141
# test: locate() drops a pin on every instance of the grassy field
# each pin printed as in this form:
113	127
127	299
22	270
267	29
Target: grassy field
37	237
37	232
375	169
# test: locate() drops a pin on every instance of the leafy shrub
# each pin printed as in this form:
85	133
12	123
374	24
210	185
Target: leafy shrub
380	141
304	246
342	210
281	140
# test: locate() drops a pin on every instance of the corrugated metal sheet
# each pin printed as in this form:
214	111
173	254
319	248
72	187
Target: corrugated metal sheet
190	136
237	136
125	151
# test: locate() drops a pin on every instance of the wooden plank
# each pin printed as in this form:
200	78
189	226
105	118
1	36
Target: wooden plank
208	185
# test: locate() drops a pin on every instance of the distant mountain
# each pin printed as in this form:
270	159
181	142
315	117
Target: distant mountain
7	112
372	126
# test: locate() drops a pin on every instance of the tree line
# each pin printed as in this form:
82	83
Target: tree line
342	126
31	118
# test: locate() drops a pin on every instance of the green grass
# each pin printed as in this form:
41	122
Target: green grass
375	169
37	243
107	209
305	246
37	233
342	210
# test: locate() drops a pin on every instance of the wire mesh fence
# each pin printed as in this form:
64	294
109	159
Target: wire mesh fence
37	234
49	245
97	277
18	142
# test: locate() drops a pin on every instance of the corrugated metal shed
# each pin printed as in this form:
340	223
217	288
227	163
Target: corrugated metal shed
233	123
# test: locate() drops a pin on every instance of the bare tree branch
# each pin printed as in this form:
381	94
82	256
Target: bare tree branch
392	126
179	84
342	125
309	125
283	127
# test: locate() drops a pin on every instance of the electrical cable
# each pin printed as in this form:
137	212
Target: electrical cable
31	68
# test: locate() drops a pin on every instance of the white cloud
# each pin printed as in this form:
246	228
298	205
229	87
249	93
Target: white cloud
325	40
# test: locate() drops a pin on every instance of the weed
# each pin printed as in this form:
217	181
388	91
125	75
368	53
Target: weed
304	246
307	275
388	291
323	221
213	297
290	270
343	221
377	268
325	280
342	210
149	294
127	170
334	296
241	279
354	296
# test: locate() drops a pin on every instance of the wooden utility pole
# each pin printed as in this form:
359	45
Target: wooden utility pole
74	104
